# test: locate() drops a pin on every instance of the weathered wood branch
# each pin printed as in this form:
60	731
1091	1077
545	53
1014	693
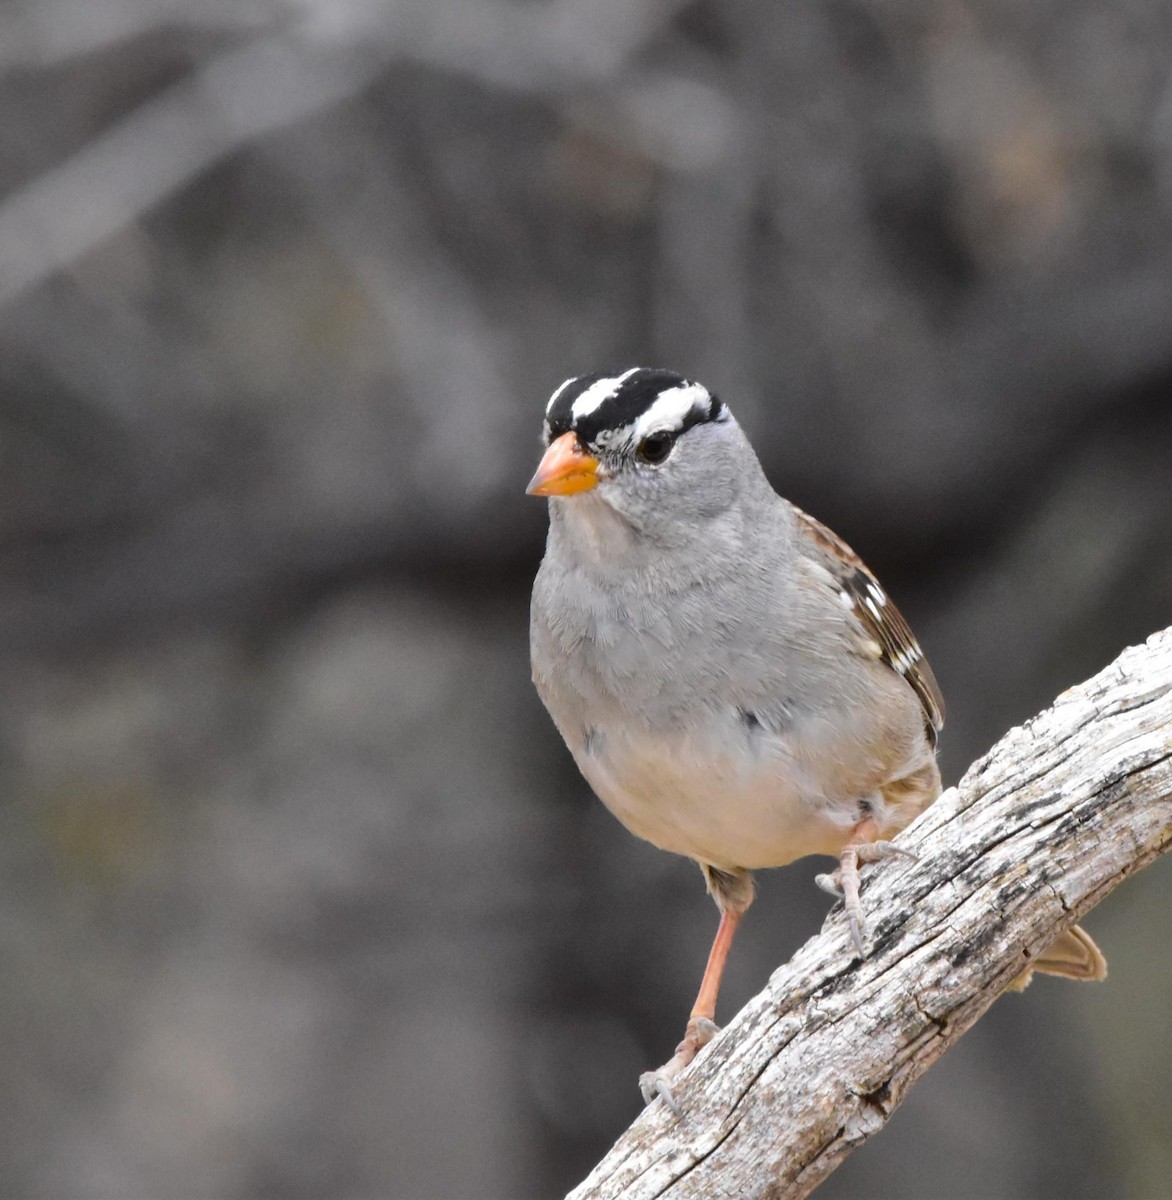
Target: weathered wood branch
1051	820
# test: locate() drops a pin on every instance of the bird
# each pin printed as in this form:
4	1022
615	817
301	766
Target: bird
731	680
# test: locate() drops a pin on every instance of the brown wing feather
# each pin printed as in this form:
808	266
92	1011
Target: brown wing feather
878	616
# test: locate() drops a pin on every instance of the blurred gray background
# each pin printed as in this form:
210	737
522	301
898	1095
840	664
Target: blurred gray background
300	895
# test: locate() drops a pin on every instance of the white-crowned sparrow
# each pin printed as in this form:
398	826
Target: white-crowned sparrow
731	680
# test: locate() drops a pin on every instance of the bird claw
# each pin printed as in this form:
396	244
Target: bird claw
858	932
844	882
657	1083
699	1033
874	851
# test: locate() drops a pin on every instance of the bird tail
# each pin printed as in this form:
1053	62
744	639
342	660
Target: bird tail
1074	956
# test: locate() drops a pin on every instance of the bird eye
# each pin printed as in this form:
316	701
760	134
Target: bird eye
655	447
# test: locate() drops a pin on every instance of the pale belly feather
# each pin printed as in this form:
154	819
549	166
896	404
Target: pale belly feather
728	809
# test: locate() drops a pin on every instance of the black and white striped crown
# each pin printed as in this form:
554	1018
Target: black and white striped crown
600	407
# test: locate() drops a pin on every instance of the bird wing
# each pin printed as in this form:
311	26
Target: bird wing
860	591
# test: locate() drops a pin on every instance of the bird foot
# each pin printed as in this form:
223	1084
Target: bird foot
844	882
699	1033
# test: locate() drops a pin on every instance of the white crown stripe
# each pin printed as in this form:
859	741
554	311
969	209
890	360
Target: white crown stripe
599	393
596	394
669	409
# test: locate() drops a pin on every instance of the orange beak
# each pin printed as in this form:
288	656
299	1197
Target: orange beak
565	469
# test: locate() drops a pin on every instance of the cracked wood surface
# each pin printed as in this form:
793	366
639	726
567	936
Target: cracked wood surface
1059	813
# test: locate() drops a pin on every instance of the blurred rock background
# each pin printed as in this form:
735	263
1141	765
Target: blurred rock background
300	896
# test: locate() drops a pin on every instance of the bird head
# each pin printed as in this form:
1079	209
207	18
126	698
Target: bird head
658	449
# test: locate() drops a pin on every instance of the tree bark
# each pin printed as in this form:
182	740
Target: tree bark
1052	819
